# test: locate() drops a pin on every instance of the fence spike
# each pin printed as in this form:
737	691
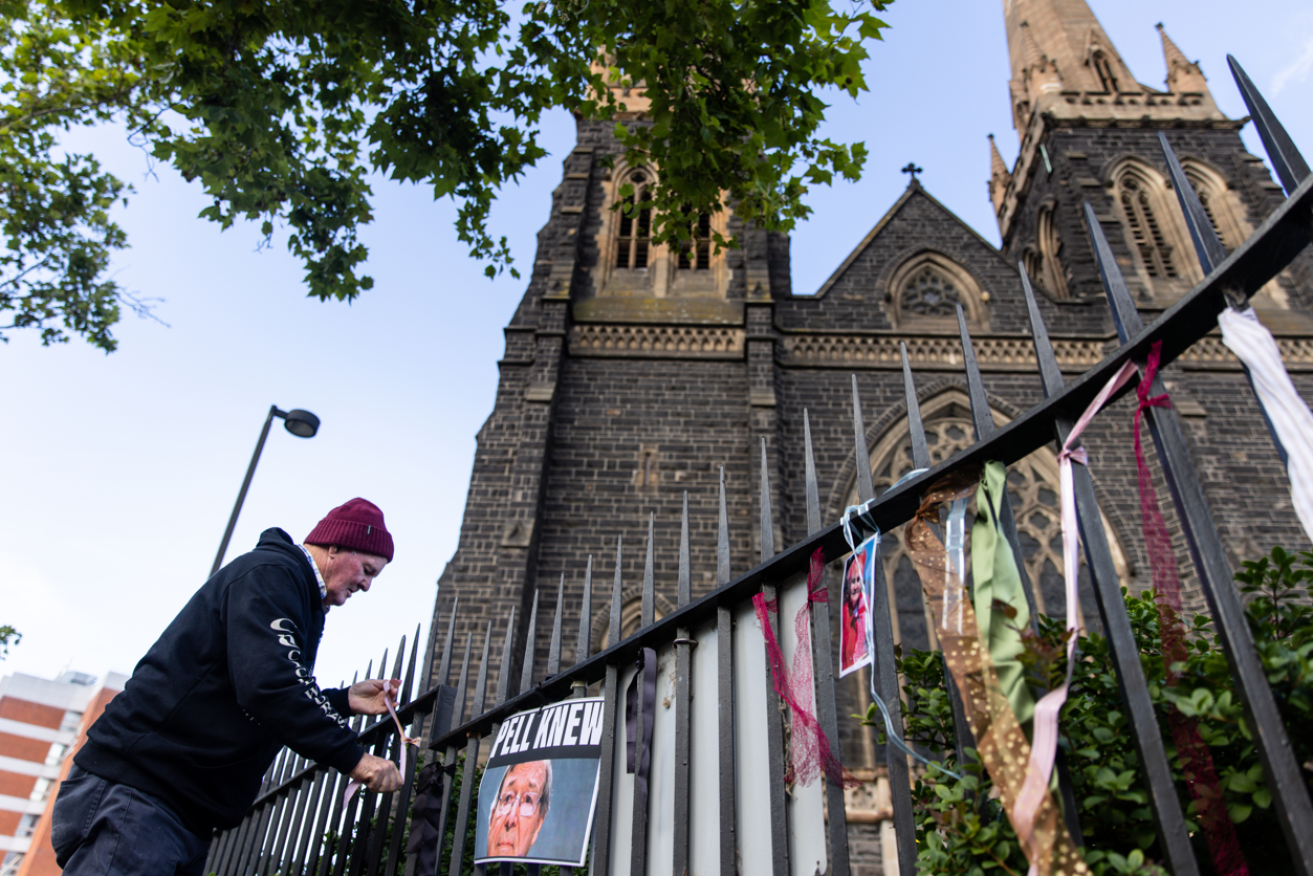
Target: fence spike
981	415
920	450
1049	371
722	537
449	759
530	645
471	760
767	521
809	466
410	668
1124	315
683	695
1207	245
1145	733
613	631
396	664
554	649
582	650
1294	811
862	456
504	670
649	582
685	590
1290	166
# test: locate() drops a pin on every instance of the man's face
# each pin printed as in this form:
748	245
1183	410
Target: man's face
517	813
348	571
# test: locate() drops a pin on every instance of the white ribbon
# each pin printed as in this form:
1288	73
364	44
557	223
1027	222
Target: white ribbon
1287	414
1043	749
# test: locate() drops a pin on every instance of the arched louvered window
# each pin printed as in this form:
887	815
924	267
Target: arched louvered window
1146	229
1051	274
1103	67
635	226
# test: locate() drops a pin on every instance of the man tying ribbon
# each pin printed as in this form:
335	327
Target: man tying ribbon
182	750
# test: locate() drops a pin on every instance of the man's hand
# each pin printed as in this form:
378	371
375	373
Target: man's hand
377	774
366	697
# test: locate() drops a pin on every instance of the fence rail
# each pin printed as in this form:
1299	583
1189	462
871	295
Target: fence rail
718	801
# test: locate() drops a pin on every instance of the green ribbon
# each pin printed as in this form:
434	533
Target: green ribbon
998	584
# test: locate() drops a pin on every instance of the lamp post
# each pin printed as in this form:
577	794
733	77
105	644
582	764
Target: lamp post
302	424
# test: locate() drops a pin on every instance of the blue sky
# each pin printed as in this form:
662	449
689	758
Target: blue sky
122	469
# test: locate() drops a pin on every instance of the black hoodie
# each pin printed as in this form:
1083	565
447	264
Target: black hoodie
229	682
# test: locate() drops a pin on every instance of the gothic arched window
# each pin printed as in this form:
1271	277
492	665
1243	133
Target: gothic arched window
635	225
926	289
1103	67
1148	237
929	293
1050	244
1035	496
1221	205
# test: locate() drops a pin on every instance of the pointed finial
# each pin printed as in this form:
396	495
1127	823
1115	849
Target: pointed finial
999	175
913	170
1182	73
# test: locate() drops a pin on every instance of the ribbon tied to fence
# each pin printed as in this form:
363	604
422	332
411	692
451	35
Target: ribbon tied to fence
354	785
810	749
640	716
1196	760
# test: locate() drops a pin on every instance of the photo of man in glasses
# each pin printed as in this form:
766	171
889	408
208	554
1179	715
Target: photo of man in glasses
519	809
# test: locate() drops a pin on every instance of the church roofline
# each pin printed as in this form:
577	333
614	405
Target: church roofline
913	188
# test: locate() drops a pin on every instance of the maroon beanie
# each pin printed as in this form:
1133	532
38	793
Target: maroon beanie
356	525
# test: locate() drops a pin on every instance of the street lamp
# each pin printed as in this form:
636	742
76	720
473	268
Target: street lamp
302	424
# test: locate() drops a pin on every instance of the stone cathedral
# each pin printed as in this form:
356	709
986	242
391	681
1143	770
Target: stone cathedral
633	372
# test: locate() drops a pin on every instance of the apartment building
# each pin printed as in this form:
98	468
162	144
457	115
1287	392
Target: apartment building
42	721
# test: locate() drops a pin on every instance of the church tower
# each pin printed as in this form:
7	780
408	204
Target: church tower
635	373
1088	131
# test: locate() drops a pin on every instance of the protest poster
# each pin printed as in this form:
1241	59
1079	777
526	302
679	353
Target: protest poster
855	614
539	786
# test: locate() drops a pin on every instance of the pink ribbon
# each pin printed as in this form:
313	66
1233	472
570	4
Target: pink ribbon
353	785
1043	749
811	751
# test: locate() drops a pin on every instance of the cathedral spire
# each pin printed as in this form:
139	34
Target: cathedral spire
999	176
1183	75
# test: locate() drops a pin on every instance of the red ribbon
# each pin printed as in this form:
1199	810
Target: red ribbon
1196	760
812	753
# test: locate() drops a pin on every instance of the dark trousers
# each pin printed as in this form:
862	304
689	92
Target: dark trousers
107	829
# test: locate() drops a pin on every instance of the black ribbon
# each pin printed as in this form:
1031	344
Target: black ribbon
424	839
640	716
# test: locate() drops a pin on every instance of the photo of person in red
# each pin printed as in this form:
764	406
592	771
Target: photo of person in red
853	649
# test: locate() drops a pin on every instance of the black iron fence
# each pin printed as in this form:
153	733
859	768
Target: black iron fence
719	801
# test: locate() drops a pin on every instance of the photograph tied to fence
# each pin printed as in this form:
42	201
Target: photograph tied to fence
706	741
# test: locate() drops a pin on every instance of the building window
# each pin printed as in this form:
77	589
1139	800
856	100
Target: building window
1147	235
27	825
72	720
695	253
1035	496
1050	244
929	293
56	754
41	790
1103	67
632	244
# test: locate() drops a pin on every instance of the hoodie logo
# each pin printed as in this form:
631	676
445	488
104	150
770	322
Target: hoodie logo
286	629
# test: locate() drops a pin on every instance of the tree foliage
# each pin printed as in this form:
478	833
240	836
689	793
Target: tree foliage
8	636
280	111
